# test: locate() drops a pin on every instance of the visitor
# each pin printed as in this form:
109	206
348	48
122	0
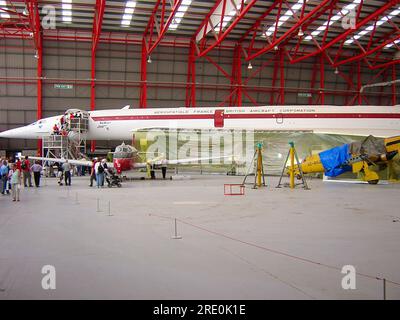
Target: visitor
164	163
92	173
56	130
99	169
67	173
37	169
26	171
4	176
15	184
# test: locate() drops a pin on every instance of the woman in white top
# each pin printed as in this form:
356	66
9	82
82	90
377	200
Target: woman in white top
15	183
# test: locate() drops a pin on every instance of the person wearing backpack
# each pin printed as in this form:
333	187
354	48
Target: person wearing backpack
26	172
99	169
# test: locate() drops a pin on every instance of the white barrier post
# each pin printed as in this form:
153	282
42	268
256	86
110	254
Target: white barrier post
176	232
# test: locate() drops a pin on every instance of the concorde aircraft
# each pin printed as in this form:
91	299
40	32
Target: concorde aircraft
120	124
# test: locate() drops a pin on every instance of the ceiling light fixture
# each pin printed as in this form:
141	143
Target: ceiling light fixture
185	4
283	18
128	13
3	14
342	13
368	29
66	11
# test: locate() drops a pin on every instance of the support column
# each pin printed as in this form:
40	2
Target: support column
394	100
239	92
313	79
359	100
191	78
236	79
93	93
39	89
282	77
143	76
322	79
274	77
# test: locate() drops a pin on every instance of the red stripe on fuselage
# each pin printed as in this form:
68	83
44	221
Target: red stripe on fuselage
253	116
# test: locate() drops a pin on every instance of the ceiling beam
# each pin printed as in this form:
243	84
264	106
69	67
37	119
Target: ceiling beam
153	37
214	20
97	22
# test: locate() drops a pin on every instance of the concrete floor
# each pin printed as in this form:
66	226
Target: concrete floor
131	255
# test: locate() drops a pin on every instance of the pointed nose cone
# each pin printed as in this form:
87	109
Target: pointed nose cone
18	133
5	134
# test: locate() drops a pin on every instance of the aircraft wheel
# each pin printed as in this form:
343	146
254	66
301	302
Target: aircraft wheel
373	181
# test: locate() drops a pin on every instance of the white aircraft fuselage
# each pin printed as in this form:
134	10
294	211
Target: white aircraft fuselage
120	124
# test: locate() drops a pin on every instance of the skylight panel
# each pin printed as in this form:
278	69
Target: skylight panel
66	11
345	10
368	29
185	4
128	13
3	14
388	46
229	16
289	13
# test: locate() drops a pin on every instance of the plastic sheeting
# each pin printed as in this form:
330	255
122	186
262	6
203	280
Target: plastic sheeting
333	160
370	146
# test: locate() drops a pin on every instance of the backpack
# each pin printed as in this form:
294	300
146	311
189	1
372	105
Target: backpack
100	169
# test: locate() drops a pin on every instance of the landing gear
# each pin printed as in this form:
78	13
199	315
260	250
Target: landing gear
366	173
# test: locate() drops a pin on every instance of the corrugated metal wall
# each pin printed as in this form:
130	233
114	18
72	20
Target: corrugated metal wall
121	63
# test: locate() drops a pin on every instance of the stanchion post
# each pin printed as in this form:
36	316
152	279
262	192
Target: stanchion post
109	208
384	289
176	232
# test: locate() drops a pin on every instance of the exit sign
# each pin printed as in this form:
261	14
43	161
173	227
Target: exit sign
304	95
63	86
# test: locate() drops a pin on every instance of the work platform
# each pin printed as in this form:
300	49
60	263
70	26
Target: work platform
70	141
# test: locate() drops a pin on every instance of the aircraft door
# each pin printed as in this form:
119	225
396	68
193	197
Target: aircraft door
279	118
219	119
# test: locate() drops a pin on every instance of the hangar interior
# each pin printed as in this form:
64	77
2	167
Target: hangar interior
183	238
107	64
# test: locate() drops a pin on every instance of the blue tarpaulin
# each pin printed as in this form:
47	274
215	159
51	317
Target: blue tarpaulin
334	158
